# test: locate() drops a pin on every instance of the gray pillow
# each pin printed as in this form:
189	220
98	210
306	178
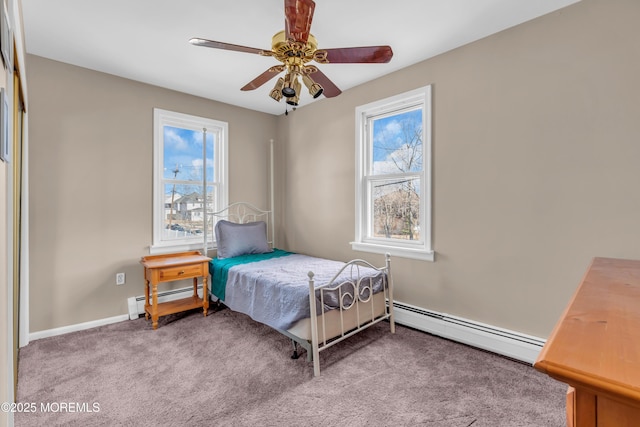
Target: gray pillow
241	239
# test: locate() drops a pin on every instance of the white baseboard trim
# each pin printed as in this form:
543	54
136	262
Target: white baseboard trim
77	327
497	340
136	304
136	307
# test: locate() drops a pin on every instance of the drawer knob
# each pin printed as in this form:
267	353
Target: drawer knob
181	272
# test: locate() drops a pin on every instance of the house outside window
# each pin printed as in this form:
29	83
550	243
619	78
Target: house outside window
393	176
190	176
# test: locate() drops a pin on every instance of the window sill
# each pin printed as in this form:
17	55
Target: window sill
418	254
167	249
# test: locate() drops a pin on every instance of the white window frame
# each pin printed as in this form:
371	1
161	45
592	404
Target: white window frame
162	118
422	250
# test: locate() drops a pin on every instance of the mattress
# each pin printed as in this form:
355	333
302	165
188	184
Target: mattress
334	323
275	290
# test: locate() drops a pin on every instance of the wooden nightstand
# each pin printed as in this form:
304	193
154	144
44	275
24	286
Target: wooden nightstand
169	268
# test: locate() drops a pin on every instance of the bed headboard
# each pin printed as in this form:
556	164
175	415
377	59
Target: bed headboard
243	212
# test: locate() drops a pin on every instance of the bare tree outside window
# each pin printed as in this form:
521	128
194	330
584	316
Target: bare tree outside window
397	152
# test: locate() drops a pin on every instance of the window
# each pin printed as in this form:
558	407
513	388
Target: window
393	176
190	176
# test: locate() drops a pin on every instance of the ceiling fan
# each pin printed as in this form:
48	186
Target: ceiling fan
295	47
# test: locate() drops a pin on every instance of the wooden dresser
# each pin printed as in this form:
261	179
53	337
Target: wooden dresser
169	268
595	347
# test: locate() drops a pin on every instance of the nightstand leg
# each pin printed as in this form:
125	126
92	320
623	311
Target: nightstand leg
154	307
205	295
146	298
195	286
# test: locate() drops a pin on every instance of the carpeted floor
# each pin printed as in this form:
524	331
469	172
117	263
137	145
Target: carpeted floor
227	370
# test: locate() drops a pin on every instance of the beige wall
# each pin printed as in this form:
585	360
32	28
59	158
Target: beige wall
535	172
535	147
91	175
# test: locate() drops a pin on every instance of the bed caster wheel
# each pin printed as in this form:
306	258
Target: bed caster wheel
295	355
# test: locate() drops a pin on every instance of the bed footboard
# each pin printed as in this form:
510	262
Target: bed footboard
359	307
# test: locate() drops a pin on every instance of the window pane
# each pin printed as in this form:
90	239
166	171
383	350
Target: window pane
396	209
183	211
183	154
397	143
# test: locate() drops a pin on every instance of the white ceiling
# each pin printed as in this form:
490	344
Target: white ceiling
147	40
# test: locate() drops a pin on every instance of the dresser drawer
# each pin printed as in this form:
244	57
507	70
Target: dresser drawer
182	272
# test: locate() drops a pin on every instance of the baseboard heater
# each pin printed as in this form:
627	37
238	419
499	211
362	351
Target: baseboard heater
501	341
136	304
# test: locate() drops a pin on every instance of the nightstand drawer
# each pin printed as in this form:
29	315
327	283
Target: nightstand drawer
182	272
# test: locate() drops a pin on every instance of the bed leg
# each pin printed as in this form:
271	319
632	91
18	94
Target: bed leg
392	320
314	326
295	354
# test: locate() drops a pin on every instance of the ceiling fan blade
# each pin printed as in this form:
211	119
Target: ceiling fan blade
353	55
329	89
263	78
227	46
298	15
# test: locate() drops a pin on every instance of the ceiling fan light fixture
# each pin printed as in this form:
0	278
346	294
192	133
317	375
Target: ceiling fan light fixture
276	92
290	79
296	97
288	92
315	90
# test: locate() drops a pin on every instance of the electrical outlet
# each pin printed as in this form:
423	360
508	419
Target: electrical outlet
119	278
